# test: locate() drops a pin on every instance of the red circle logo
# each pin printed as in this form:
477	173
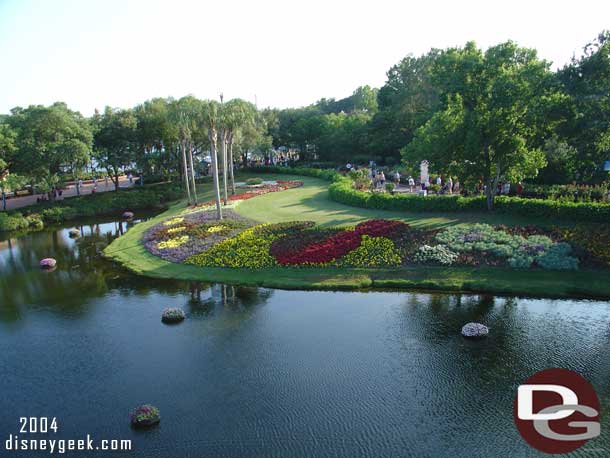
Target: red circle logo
557	411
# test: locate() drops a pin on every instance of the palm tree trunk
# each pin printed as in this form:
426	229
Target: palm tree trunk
193	174
186	172
231	164
223	151
214	157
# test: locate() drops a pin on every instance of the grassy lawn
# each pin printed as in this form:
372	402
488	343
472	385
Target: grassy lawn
311	203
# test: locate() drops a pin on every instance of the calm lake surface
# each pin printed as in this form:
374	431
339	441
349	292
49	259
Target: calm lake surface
257	372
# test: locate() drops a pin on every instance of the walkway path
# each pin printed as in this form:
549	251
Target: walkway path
69	191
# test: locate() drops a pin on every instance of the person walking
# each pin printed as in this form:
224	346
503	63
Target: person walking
382	179
411	184
456	186
397	179
450	185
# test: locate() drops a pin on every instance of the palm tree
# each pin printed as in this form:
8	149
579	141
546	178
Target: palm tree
210	121
238	115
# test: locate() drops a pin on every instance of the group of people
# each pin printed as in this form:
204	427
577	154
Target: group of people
503	188
53	194
448	186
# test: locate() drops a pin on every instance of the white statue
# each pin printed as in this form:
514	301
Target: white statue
424	175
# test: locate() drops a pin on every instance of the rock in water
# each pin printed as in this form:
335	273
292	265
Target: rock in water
173	315
145	415
48	263
475	330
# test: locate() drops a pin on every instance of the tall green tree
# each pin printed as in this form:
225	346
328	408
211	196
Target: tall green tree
406	101
187	114
155	137
587	81
497	105
48	139
7	148
240	115
115	141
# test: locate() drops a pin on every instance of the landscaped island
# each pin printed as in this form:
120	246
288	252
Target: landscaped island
288	234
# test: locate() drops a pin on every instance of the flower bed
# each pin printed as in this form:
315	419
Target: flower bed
338	245
281	185
198	238
518	251
250	249
178	238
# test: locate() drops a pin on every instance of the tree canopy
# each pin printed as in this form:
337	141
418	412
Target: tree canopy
496	105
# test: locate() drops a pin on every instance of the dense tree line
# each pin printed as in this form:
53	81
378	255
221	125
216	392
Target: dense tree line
166	138
486	115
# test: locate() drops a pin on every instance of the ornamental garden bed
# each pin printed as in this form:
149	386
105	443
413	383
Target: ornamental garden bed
235	242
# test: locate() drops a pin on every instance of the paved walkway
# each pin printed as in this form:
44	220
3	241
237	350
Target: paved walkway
69	191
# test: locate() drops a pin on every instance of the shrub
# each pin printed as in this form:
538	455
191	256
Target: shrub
173	315
554	209
389	187
557	258
106	203
12	222
437	254
324	174
254	181
594	243
519	251
341	191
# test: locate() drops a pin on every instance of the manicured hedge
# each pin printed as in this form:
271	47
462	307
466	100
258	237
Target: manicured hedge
106	203
324	174
577	211
341	190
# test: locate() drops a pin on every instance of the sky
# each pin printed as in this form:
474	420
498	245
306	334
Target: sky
92	53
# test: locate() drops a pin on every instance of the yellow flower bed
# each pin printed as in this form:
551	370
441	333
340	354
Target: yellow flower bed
173	230
173	243
171	222
213	229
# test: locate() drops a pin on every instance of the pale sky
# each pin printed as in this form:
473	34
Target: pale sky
92	53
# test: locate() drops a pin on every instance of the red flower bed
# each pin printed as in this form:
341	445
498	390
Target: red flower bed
340	244
381	228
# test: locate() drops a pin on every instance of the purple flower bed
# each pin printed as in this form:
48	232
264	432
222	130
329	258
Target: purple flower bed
199	240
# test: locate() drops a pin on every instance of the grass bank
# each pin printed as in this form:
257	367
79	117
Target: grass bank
311	203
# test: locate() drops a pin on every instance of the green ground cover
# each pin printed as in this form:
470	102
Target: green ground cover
311	203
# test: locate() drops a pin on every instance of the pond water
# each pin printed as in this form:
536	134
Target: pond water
268	373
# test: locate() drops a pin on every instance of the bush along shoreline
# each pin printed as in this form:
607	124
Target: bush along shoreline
35	217
341	190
